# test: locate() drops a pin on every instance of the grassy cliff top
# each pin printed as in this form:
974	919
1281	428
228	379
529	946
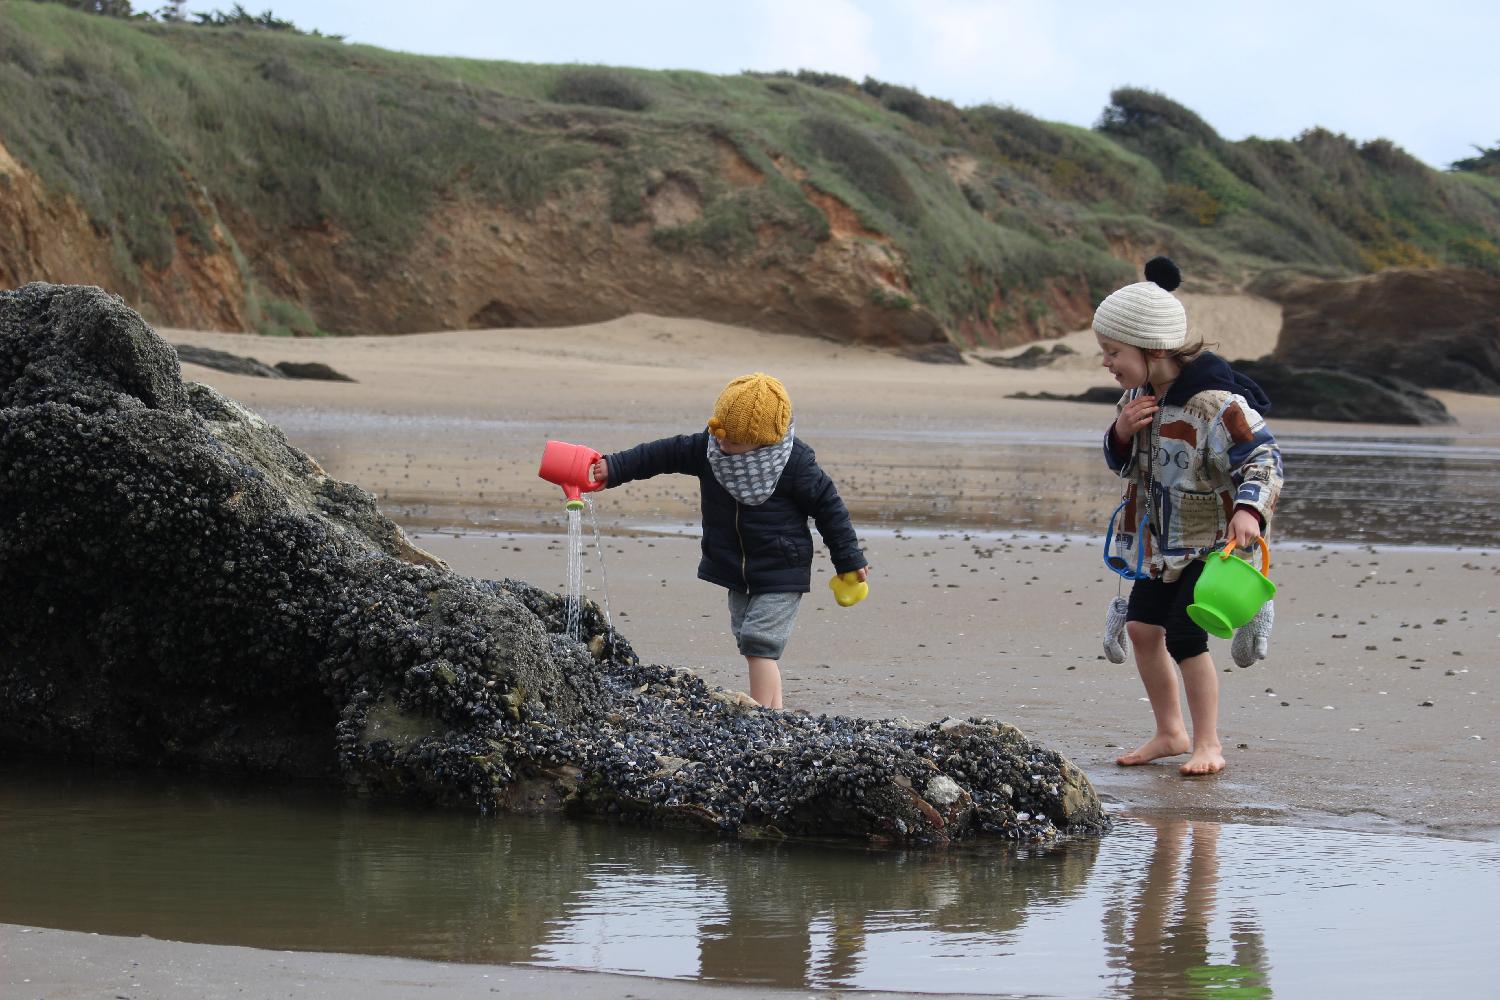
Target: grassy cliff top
141	121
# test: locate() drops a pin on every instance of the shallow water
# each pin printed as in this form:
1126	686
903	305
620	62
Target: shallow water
1156	909
1415	489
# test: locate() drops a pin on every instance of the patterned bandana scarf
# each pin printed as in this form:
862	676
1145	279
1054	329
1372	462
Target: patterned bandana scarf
751	477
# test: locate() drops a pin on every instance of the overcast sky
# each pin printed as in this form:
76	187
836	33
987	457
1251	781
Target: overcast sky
1422	73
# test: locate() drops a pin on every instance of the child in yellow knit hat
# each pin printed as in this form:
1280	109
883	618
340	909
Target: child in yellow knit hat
758	486
753	411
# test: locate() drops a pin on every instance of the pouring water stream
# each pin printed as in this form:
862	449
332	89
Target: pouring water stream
574	594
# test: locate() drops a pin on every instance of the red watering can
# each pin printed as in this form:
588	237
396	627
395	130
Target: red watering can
568	466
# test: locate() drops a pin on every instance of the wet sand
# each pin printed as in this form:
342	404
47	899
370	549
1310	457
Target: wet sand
68	965
1375	711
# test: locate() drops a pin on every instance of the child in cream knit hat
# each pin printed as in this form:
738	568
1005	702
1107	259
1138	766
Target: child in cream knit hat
758	486
1200	468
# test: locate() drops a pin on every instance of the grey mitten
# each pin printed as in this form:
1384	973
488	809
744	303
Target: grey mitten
1114	630
1252	638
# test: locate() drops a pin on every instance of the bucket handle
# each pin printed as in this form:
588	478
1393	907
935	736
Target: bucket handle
1265	554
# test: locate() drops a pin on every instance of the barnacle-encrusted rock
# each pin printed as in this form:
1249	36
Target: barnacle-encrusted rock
180	586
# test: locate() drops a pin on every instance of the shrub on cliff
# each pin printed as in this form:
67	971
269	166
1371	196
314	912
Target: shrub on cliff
1135	112
864	162
905	101
601	88
1487	162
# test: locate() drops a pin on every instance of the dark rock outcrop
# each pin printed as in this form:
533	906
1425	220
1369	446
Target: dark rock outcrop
180	587
311	369
237	364
1305	393
1439	329
1097	394
1311	394
234	364
1035	356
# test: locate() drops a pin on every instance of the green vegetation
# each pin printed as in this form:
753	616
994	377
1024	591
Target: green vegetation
171	12
161	128
285	132
280	318
863	162
106	8
1318	201
890	300
1487	162
601	87
724	229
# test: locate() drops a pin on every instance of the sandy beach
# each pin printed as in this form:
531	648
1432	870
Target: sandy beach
1375	711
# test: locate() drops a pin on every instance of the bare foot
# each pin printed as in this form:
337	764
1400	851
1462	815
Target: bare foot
1205	760
1155	748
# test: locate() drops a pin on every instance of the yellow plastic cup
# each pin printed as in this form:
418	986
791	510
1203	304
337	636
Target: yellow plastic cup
848	589
1230	590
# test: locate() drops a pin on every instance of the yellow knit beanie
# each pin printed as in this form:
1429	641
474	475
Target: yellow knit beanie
752	409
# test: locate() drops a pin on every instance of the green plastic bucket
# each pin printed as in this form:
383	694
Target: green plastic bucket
1230	590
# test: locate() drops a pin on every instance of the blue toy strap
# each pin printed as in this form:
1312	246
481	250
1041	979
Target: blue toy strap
1109	534
1140	545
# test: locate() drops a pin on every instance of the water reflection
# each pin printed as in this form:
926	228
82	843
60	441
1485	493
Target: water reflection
1160	933
180	860
807	918
1161	908
1411	497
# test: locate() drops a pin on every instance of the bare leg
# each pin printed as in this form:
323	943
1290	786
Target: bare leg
1159	675
765	681
1201	682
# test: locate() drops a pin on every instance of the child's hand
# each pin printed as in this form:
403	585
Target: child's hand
1135	415
1244	528
864	571
599	471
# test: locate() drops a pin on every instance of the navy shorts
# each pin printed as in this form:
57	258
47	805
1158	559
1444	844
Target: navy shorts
762	623
1153	602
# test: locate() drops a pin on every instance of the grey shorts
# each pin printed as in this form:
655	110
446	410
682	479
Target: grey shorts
762	623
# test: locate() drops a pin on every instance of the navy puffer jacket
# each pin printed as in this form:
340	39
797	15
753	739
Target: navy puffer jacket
765	549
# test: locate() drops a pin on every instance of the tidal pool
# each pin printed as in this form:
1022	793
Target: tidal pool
1158	909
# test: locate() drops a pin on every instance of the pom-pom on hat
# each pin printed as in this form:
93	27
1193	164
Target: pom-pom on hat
1146	313
753	409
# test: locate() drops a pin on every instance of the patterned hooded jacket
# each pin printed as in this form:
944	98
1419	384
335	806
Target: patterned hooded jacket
1207	452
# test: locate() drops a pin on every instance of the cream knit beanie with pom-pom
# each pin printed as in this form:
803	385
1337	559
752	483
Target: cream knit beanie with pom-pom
1145	314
